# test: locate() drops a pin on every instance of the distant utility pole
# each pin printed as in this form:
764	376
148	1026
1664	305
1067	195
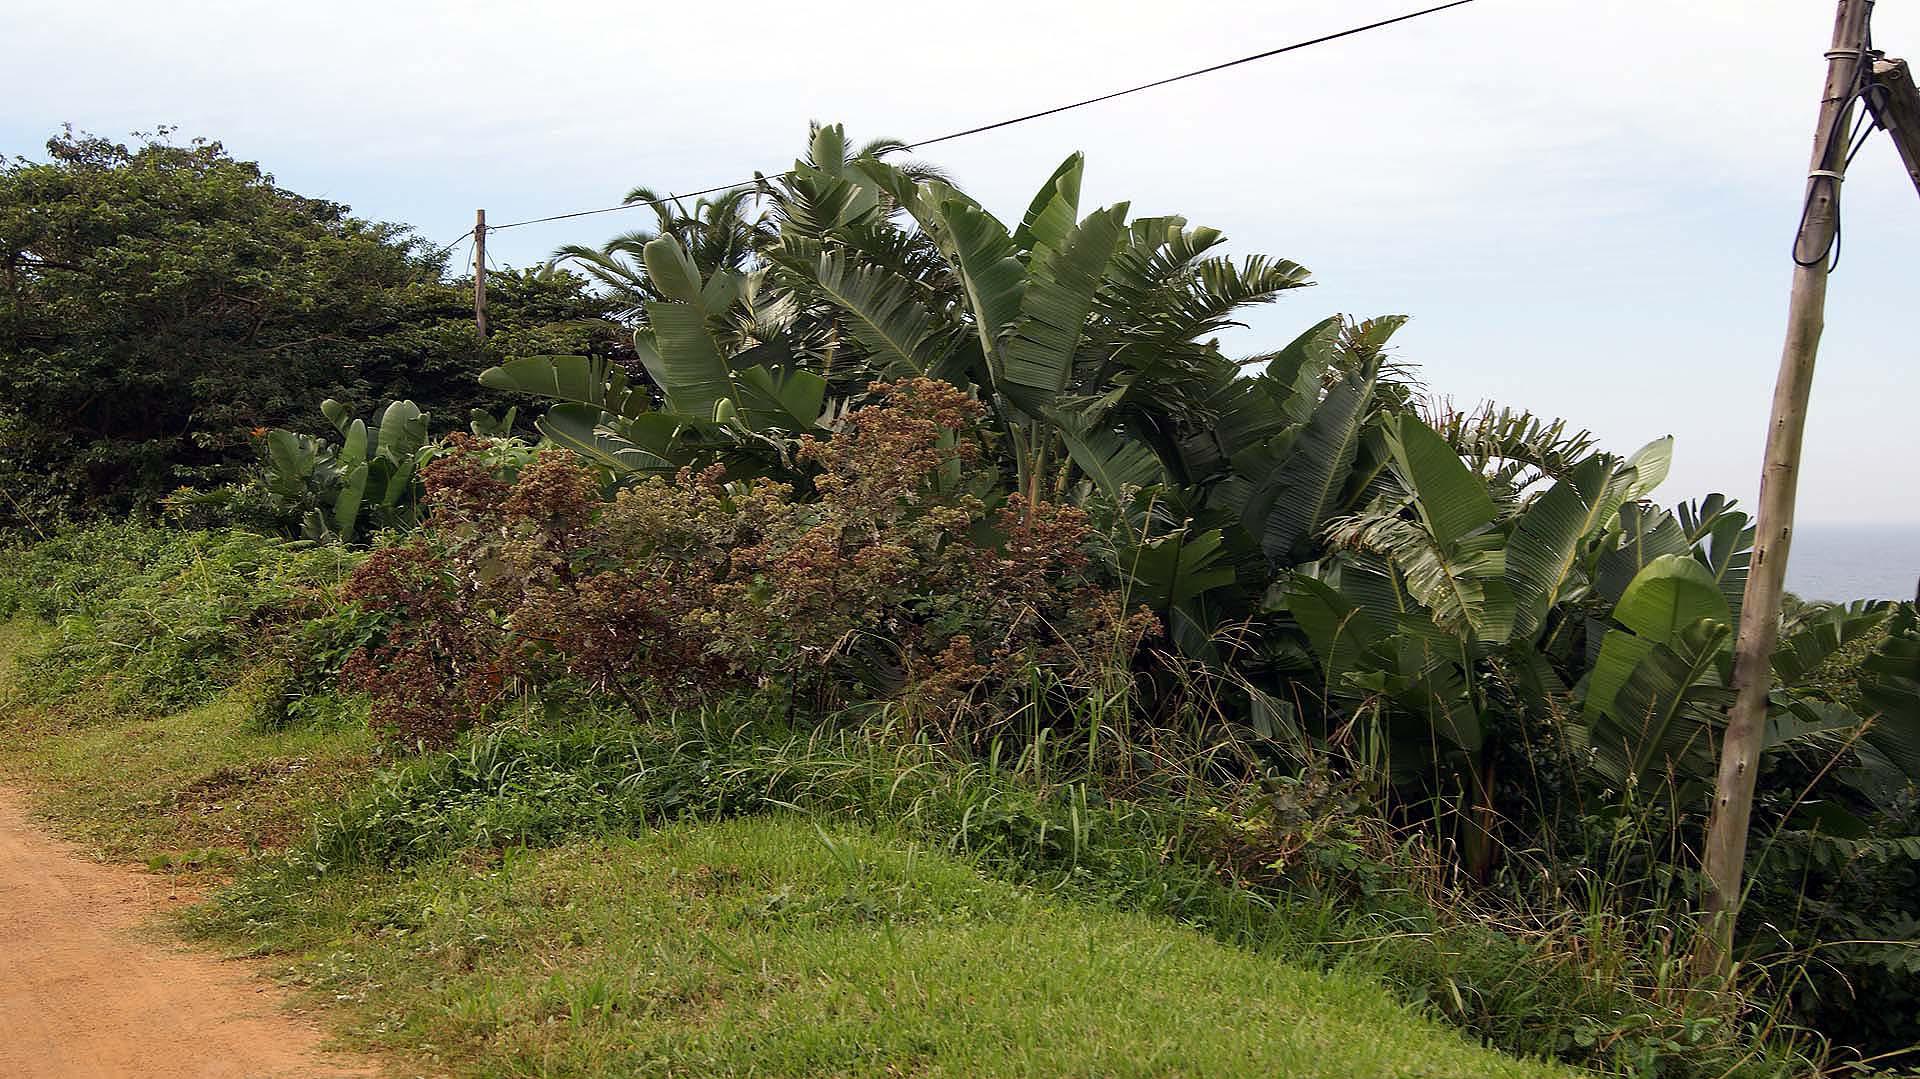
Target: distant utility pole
480	271
1726	840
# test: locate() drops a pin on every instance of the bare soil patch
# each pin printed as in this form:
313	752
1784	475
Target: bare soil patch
84	992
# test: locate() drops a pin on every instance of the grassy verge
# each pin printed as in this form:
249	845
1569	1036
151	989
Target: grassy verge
197	791
762	945
771	946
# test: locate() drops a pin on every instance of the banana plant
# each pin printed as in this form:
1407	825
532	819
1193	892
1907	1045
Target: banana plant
1661	683
1090	337
1439	584
1087	336
721	393
367	479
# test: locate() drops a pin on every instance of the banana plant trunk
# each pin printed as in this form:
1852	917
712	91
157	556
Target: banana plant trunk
1726	839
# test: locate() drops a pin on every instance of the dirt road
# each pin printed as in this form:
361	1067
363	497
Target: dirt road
83	993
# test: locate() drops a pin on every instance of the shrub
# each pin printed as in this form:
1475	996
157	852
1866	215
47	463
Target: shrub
158	620
894	580
298	683
79	570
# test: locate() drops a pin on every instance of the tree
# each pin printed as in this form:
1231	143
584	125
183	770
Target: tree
164	301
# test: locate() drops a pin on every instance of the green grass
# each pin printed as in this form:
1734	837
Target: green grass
770	946
755	946
195	790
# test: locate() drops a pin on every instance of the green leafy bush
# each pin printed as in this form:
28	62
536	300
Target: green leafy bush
167	299
157	620
78	570
298	683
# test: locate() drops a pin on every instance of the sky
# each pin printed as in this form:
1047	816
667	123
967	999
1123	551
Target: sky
1585	205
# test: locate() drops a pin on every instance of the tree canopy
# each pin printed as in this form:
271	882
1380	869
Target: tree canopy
163	301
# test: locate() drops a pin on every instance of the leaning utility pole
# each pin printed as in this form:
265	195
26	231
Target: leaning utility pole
1726	840
480	271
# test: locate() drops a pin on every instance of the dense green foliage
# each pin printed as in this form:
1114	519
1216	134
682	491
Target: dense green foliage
1296	866
900	495
164	301
150	621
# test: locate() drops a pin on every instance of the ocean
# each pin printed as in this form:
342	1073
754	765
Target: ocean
1854	561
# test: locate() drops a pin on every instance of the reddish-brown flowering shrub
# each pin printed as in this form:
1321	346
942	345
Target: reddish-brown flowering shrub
893	581
439	666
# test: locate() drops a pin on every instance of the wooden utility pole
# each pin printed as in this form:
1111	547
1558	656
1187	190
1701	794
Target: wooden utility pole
1726	841
480	271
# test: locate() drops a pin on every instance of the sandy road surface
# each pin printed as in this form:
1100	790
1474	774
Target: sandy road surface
83	994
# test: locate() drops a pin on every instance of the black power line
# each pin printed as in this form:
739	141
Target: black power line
1323	39
1196	73
1841	147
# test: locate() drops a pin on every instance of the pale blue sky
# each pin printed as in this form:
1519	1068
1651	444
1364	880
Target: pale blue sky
1585	205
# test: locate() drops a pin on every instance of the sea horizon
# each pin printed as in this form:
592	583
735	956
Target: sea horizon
1849	560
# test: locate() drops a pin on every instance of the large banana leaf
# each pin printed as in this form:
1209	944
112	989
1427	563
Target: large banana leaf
818	201
1452	562
1672	593
790	401
1811	639
921	201
1424	675
1297	370
1656	684
338	415
1662	717
1055	208
353	489
1111	460
1173	570
1449	499
353	448
291	459
989	271
400	431
1728	553
603	440
1890	685
1439	693
1342	635
1544	545
827	149
685	361
673	272
1038	357
1288	510
1891	673
1650	464
584	380
1376	584
1463	585
1646	533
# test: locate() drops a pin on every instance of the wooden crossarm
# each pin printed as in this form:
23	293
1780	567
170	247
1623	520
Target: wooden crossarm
1897	108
